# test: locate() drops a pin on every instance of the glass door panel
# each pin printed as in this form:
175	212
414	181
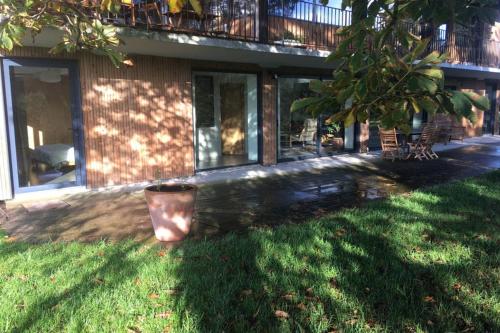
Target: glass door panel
225	110
43	138
298	130
489	115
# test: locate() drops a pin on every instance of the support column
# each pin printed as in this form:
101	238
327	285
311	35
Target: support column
5	180
269	123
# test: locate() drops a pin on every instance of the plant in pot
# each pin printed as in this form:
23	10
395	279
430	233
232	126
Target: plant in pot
171	207
332	135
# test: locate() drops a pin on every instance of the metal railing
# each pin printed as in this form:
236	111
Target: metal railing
293	23
231	19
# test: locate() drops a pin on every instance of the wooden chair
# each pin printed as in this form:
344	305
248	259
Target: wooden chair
136	7
422	149
389	142
308	134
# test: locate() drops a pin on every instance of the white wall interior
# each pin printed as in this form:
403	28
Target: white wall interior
252	123
349	137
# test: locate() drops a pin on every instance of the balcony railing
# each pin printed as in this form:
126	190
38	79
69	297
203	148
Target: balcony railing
296	23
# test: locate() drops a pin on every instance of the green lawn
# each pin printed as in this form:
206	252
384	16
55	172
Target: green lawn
425	262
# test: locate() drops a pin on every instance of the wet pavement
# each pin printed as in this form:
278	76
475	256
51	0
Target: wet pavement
241	205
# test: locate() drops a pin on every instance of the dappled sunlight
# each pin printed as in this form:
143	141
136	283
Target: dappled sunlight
138	120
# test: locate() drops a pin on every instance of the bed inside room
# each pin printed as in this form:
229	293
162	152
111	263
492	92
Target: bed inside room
43	125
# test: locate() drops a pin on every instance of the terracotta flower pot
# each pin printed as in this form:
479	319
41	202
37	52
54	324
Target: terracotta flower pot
171	209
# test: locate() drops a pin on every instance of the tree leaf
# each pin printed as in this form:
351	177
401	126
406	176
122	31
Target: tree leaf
196	6
304	103
480	102
316	86
435	73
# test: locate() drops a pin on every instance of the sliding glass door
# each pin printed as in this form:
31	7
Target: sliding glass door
300	135
225	113
489	115
44	124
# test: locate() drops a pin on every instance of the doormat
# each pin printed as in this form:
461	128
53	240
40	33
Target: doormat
46	205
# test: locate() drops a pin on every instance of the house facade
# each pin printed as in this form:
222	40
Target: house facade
204	93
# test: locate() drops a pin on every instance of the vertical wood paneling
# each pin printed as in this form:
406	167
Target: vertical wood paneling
269	125
136	120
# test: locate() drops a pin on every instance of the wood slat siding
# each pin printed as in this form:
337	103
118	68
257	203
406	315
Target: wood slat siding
471	129
136	120
269	124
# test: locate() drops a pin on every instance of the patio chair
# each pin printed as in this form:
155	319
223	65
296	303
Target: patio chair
389	142
422	149
308	134
136	7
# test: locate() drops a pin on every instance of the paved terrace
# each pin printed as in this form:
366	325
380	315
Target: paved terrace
239	199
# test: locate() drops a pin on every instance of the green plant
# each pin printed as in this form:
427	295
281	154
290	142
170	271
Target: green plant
383	71
333	128
81	24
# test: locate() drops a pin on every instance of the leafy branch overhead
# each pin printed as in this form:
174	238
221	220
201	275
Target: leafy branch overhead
385	73
82	24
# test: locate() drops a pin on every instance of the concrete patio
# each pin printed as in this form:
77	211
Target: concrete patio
237	199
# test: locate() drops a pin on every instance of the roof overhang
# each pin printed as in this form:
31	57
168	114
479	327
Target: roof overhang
175	45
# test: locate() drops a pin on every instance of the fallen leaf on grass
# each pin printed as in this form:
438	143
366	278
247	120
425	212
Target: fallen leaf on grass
171	291
429	299
161	254
457	286
153	296
100	253
281	314
288	297
137	281
163	315
351	321
309	291
246	292
99	281
340	232
301	306
133	329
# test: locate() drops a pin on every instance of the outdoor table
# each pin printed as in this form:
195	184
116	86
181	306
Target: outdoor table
405	138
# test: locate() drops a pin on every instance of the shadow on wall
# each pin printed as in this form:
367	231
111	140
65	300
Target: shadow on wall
137	119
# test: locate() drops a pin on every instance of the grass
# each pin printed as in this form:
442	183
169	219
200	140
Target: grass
424	262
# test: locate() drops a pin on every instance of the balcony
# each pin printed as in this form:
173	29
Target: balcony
299	24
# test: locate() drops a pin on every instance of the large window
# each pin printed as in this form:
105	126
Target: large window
300	134
225	112
44	124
